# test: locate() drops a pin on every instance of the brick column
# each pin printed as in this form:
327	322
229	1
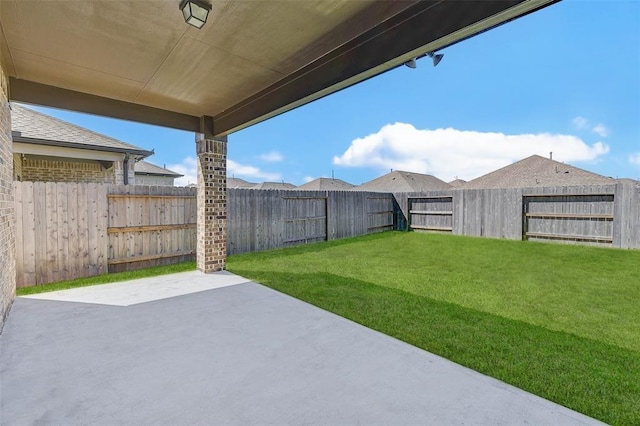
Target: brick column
212	204
7	209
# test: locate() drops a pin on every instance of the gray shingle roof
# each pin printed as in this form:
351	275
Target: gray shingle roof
457	183
239	183
629	181
326	184
273	185
146	168
399	181
30	126
537	171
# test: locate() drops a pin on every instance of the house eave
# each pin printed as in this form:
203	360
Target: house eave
139	153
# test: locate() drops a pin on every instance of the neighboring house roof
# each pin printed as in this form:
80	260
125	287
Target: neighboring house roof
399	181
146	168
631	181
273	185
326	184
239	183
457	183
537	171
29	126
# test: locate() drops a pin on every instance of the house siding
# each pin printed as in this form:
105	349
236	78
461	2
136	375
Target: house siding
17	167
154	180
61	170
7	210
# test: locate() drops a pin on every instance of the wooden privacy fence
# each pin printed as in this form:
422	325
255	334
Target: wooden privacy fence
150	225
569	217
266	219
606	215
71	230
61	231
433	213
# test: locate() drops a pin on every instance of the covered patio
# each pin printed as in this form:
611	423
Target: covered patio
252	60
194	348
216	348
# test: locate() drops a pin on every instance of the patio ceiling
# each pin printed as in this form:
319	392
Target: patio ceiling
253	59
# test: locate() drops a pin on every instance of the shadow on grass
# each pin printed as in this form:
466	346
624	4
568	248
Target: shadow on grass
594	378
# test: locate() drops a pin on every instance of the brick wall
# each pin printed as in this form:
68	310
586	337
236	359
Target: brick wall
7	214
212	205
52	169
17	167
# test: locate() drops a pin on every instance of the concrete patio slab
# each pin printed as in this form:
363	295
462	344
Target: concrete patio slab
143	290
240	354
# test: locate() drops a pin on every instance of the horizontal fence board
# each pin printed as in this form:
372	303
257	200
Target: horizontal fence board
149	228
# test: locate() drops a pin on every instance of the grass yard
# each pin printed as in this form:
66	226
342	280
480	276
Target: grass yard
560	321
108	278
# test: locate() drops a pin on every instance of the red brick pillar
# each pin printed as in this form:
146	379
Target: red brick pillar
212	204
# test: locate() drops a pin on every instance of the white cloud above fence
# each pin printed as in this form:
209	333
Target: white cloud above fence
189	168
449	153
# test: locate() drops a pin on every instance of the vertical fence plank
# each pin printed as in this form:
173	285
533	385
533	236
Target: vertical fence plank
29	231
72	221
63	230
52	260
93	245
39	204
19	209
83	231
102	224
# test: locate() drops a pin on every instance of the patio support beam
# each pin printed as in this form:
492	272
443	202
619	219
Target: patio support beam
34	93
211	251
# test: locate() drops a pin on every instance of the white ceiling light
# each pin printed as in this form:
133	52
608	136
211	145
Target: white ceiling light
195	12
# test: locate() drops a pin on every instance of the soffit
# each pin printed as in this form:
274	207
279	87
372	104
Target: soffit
143	52
254	59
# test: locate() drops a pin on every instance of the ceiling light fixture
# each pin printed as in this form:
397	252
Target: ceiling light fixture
195	12
436	58
411	63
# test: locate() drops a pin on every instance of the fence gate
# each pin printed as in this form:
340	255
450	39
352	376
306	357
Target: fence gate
150	226
431	213
379	214
305	220
567	217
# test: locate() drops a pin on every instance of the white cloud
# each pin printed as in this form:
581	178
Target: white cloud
447	153
271	157
601	130
635	158
250	172
580	122
189	168
308	179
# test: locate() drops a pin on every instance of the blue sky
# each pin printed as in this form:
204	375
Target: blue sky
565	79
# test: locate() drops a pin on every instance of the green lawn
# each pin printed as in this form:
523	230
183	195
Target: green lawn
560	321
109	278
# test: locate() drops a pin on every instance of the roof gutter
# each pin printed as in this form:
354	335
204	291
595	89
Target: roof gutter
176	175
125	169
142	153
